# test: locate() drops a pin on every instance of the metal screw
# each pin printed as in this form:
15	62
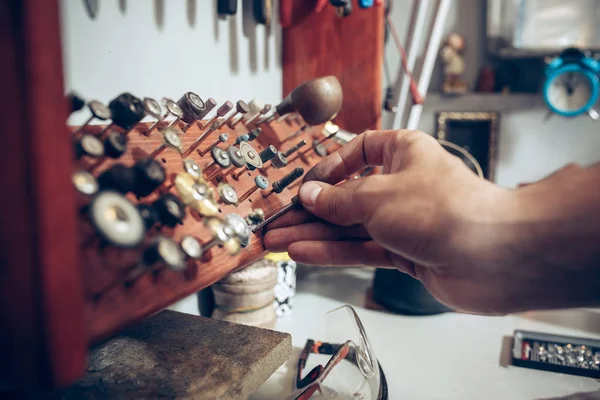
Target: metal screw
295	134
171	139
99	111
294	149
221	139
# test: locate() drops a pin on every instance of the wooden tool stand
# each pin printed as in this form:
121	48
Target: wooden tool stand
51	262
107	314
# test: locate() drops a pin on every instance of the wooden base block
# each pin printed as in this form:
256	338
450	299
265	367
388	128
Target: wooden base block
175	356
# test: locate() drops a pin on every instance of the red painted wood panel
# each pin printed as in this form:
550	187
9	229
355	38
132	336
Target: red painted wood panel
43	341
350	48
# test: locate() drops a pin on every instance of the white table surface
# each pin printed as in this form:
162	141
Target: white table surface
448	356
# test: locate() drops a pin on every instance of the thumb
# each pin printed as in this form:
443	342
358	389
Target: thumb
337	204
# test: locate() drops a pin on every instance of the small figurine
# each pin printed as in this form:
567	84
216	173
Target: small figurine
454	64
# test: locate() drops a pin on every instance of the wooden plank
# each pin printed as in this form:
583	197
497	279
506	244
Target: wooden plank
181	356
350	48
41	310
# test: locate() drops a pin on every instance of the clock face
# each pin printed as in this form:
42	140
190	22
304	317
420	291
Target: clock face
570	91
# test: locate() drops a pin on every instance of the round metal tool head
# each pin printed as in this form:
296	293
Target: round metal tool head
317	100
197	194
165	251
148	214
242	138
224	109
236	156
227	194
221	232
268	153
242	107
149	175
170	210
320	149
221	157
118	177
256	106
250	155
90	146
256	216
116	220
173	108
152	107
223	137
279	161
261	182
126	110
240	228
84	182
192	168
254	133
191	247
172	138
193	101
115	144
209	104
192	106
99	110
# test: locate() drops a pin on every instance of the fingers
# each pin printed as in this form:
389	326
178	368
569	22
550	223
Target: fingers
278	240
353	253
370	148
291	218
340	205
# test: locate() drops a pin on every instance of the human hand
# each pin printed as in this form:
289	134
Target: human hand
427	215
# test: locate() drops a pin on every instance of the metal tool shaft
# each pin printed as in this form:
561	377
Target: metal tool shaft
291	205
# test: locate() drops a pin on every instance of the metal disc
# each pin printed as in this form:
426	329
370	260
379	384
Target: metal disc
191	247
250	155
84	182
196	102
261	182
236	157
228	194
172	139
91	145
221	157
192	168
117	220
173	108
100	110
240	228
152	107
171	254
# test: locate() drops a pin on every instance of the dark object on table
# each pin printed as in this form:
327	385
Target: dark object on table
402	294
486	82
174	355
556	353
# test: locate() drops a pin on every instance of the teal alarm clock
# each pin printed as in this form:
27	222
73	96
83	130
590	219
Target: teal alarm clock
572	85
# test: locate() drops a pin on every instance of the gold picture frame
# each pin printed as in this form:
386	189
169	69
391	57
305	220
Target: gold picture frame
466	129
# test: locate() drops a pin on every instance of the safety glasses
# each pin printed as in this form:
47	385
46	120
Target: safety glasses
343	367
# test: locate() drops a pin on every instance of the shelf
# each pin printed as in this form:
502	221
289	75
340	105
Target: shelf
484	102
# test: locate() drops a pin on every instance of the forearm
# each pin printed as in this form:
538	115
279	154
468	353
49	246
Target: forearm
556	223
561	217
